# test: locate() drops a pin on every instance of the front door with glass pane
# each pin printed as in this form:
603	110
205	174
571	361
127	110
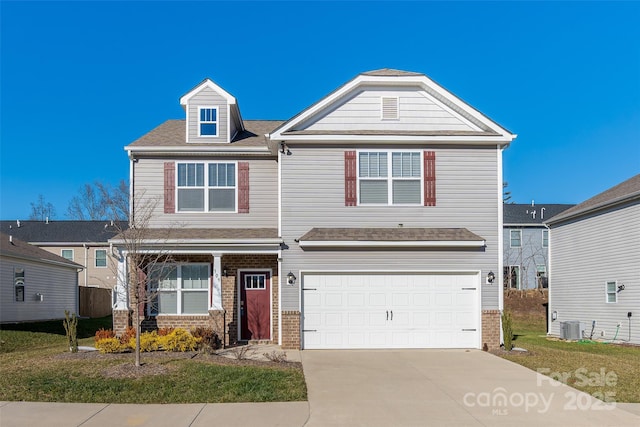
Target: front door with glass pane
255	306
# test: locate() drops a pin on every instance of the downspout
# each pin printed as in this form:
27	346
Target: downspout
499	273
549	311
86	262
133	162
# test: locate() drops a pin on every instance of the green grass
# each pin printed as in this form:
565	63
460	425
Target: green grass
30	371
580	365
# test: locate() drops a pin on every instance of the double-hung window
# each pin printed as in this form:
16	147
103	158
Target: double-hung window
545	238
18	282
208	123
390	178
612	292
206	187
180	289
516	238
101	258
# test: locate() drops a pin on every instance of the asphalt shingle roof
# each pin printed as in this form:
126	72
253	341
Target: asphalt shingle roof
523	214
62	231
14	247
627	190
204	234
396	234
173	133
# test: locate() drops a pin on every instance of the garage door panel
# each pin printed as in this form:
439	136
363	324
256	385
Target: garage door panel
354	311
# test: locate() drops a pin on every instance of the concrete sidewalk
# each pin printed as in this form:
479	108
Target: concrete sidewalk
283	414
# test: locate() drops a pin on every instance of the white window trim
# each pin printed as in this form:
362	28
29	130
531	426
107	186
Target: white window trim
73	255
217	121
206	189
95	258
179	291
389	178
511	240
397	101
543	233
615	291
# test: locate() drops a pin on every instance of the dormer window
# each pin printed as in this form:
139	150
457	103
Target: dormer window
208	123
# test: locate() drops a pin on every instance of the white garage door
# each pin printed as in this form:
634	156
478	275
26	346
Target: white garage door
391	311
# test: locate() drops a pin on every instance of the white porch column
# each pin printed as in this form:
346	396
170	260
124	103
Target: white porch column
216	286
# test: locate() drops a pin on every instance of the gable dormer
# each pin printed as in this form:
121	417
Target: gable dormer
212	114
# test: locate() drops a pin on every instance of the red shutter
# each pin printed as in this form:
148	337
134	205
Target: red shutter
350	179
429	178
169	187
243	187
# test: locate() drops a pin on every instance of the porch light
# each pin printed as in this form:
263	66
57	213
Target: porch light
225	271
291	278
491	277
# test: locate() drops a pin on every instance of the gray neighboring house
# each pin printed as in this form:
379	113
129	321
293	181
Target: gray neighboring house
371	219
595	266
35	285
526	244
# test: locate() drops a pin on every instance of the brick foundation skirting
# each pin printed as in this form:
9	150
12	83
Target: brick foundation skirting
291	330
490	329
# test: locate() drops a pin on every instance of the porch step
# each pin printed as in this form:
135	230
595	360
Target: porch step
258	342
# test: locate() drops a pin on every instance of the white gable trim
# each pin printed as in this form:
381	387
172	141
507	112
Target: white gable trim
207	83
421	81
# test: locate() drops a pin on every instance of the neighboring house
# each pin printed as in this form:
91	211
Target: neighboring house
595	266
369	220
83	242
526	244
35	284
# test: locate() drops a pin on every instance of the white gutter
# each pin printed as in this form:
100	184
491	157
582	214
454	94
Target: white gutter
203	242
218	148
466	140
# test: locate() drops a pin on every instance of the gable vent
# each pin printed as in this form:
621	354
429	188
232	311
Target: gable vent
389	108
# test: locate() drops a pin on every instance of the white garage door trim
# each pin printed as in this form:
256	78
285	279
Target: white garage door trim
381	309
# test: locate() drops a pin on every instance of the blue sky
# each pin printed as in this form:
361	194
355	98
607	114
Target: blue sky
80	80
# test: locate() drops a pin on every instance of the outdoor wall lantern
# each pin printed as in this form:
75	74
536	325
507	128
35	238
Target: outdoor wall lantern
491	277
284	149
291	278
225	271
554	316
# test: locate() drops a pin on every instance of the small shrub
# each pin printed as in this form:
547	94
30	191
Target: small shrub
179	340
149	341
165	331
276	356
129	333
242	352
103	334
109	345
209	338
507	330
70	324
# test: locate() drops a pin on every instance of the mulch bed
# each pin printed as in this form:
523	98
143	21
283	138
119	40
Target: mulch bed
158	362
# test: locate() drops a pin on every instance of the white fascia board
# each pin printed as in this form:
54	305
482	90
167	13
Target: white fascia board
45	261
222	243
394	244
211	85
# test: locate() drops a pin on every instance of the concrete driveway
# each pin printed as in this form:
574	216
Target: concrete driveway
443	387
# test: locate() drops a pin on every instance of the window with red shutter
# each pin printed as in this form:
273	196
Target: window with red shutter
429	178
350	179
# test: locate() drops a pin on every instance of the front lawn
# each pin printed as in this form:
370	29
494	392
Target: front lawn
607	371
35	365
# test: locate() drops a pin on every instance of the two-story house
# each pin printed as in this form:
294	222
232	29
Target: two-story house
526	244
372	219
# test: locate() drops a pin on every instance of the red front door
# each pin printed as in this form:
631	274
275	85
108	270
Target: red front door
255	305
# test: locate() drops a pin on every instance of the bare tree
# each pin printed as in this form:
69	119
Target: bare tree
143	260
41	210
100	201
